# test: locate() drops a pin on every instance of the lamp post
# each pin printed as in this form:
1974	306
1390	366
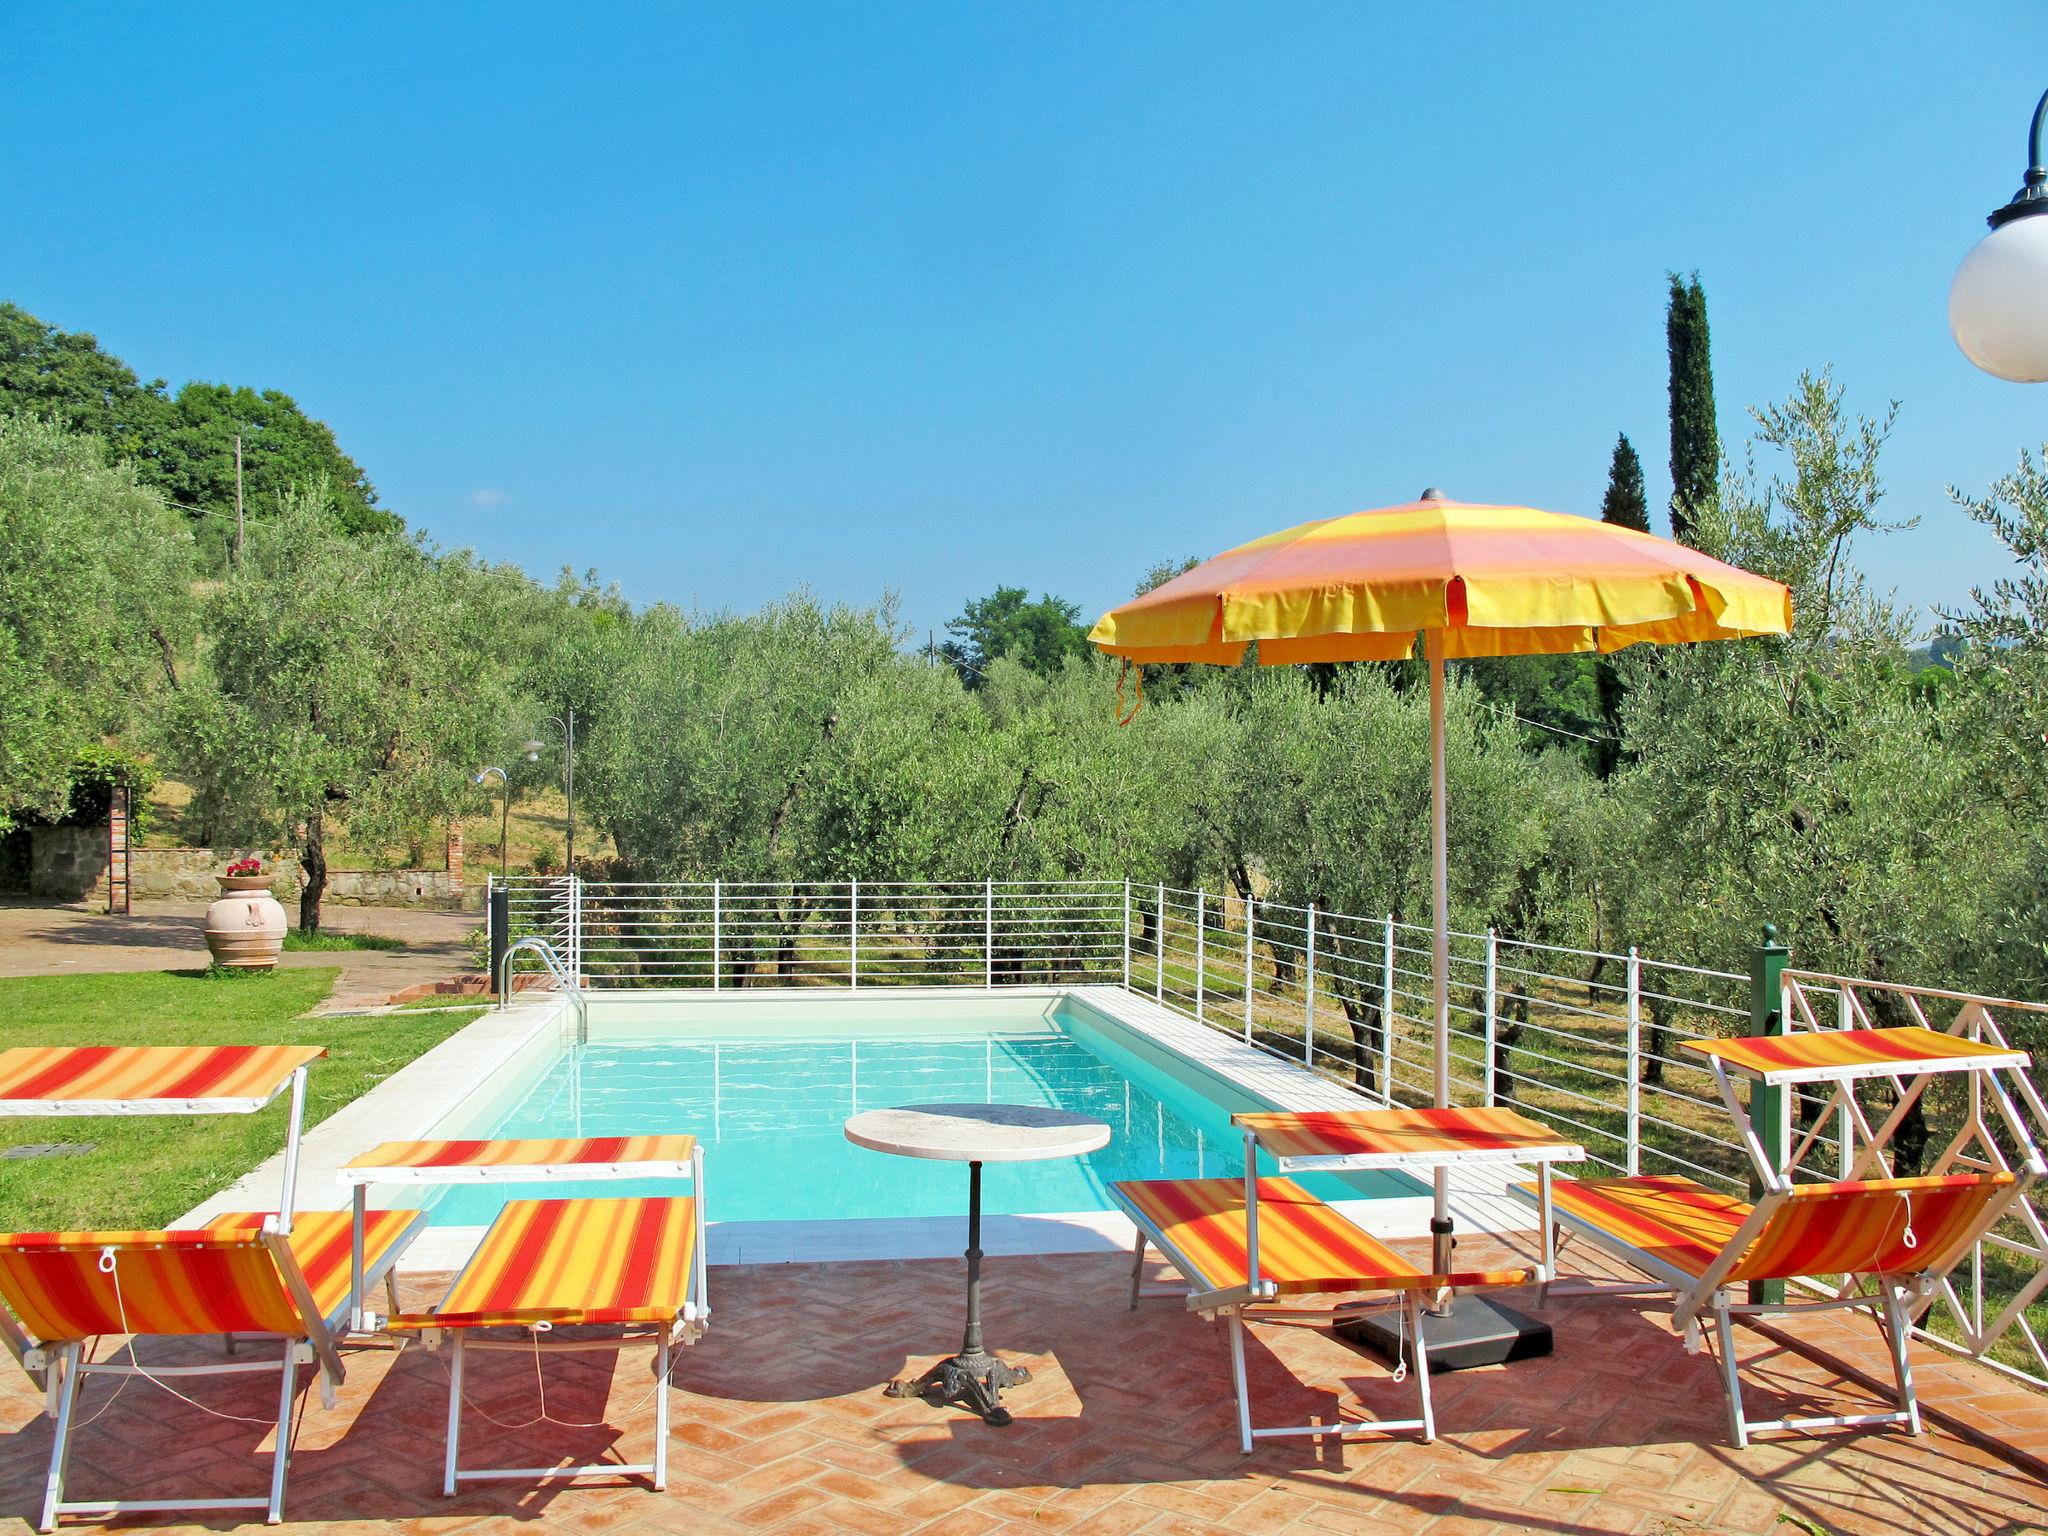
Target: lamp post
565	722
504	816
1998	301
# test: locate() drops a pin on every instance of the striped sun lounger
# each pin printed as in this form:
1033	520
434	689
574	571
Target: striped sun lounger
636	1264
147	1079
1238	1265
1896	1235
64	1290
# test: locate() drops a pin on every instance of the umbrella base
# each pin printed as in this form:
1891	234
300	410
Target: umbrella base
1476	1331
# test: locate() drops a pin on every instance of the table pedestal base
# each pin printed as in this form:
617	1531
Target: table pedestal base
972	1381
974	1377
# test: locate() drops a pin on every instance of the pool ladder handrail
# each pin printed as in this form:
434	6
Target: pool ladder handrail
563	979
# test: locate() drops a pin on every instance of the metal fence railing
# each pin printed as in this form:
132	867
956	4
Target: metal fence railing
1583	1040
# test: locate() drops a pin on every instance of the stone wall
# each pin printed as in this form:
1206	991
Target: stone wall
66	863
191	874
396	888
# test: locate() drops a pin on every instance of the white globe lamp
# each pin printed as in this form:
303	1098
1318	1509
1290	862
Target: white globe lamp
1998	301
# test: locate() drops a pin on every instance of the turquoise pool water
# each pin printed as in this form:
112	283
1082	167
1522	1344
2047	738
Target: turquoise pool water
770	1107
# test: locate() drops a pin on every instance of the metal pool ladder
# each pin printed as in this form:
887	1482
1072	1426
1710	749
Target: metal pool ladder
564	978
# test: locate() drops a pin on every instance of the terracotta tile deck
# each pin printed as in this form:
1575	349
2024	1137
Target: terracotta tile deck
1126	1426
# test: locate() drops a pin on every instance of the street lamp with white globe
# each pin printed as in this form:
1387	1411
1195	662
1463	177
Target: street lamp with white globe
1998	302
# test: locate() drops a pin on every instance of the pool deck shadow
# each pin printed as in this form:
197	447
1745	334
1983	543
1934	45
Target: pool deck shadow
1127	1425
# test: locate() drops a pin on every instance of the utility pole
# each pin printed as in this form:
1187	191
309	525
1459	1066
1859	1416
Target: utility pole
238	498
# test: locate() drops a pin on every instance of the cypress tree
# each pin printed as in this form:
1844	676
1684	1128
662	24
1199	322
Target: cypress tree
1625	506
1695	443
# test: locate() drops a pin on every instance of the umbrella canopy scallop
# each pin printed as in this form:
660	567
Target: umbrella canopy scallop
1491	581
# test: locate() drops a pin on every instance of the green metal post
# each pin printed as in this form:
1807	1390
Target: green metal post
1767	1105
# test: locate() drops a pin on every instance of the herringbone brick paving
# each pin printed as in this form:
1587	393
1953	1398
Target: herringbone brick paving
1126	1426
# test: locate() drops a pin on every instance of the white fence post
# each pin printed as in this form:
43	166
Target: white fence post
1201	950
717	957
1492	1011
853	932
1127	935
1250	917
1845	1152
1387	1013
1635	1062
576	929
988	934
1159	946
1308	1021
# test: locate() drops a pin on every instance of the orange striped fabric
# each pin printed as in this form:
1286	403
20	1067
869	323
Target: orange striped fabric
162	1283
1821	1050
1872	1227
1665	1216
321	1245
1496	581
140	1073
574	1261
1394	1132
213	1279
1304	1245
1821	1229
562	1152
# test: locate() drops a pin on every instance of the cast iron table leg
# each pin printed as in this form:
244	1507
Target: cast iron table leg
974	1378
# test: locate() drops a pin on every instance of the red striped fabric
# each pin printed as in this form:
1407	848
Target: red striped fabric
1875	1226
530	1153
161	1283
214	1279
321	1244
1860	1227
1825	1049
140	1073
1304	1245
1667	1217
1397	1132
574	1261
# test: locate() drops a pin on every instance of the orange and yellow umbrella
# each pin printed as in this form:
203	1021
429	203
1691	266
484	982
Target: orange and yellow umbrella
1471	581
1489	581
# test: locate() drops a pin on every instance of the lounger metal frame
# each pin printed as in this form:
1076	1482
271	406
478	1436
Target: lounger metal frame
63	1369
1696	1297
687	1328
1240	1304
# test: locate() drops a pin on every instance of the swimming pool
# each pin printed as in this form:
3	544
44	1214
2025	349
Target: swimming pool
769	1097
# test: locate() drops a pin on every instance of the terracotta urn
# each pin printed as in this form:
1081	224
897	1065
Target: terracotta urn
245	928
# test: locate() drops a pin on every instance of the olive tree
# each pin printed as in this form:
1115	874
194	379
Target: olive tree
94	607
350	680
1999	713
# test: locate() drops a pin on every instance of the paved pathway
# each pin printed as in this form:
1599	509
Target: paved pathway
42	940
1125	1426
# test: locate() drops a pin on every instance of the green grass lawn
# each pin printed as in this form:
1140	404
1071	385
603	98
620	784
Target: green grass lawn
473	1005
145	1171
298	941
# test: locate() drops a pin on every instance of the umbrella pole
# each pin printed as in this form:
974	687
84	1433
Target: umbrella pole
1440	936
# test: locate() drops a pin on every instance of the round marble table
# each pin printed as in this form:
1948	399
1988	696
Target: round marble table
974	1134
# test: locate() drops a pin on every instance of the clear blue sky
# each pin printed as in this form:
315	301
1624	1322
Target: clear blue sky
721	300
